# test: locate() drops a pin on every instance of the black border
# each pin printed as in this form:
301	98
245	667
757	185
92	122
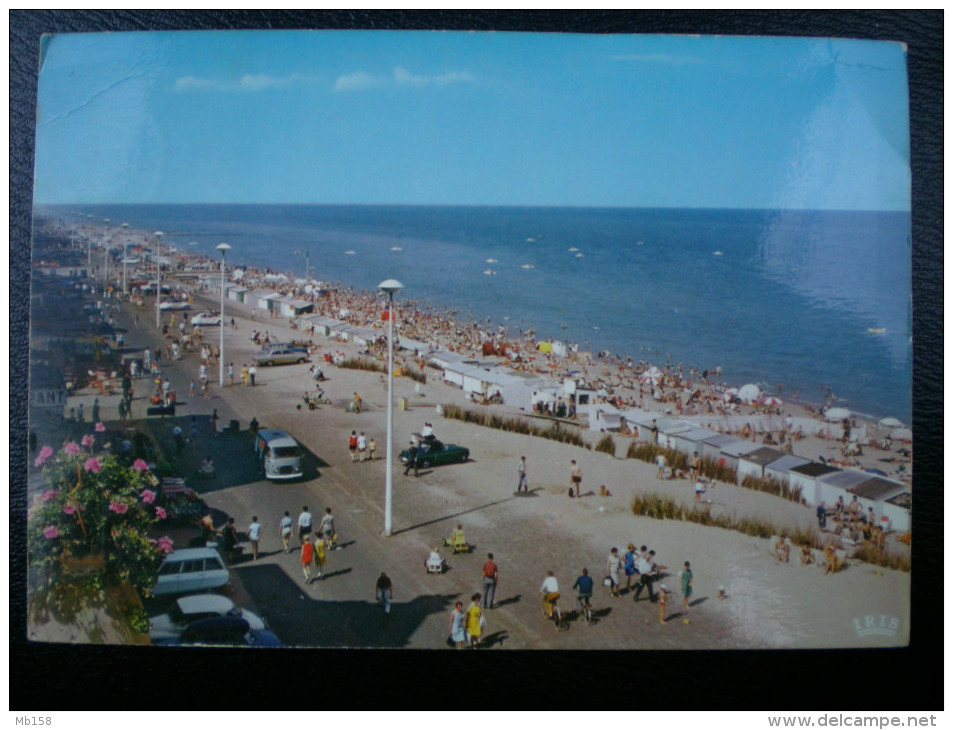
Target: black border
48	677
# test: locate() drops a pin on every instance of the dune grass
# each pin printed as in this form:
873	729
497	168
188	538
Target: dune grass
514	425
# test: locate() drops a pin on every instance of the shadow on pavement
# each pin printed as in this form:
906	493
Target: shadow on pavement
299	617
508	601
490	640
456	514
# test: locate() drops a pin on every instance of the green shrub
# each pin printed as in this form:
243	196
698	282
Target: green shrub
515	425
606	445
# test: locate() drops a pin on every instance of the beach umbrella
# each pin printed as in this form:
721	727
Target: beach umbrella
749	393
890	422
772	401
901	434
836	414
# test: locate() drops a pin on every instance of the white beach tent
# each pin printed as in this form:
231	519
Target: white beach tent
901	434
652	375
890	422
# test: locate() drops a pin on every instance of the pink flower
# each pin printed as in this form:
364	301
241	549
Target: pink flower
119	509
140	465
165	543
45	453
160	513
71	448
87	440
148	496
92	464
50	532
100	427
48	495
69	509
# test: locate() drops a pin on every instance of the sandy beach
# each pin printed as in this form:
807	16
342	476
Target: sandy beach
769	605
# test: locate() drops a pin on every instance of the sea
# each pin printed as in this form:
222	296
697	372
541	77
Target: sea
811	299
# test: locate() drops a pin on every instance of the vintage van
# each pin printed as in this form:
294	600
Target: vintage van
279	454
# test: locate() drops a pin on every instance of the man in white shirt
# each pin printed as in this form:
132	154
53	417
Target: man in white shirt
284	529
305	520
522	485
254	536
644	565
549	591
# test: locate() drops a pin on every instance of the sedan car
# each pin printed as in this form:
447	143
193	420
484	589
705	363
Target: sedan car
431	452
207	318
189	609
281	356
227	631
173	305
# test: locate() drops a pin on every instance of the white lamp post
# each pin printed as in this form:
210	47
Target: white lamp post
391	287
158	235
223	247
125	255
107	239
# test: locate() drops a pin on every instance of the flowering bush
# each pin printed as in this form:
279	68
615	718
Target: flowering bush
95	506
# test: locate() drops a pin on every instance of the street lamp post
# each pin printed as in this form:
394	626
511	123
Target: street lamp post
158	236
125	255
390	287
107	239
223	247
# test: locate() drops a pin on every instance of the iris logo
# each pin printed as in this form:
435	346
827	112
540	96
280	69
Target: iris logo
879	625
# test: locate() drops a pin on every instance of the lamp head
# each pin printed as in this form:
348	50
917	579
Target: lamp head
223	247
390	286
158	233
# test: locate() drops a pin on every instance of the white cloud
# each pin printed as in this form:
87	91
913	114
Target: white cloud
665	58
357	81
248	82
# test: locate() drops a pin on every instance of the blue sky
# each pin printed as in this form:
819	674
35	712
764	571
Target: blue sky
472	119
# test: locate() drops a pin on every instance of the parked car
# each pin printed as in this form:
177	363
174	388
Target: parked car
227	631
191	570
433	453
281	356
207	318
189	609
173	305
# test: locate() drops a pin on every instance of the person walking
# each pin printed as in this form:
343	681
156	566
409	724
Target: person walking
254	536
662	600
521	485
575	478
384	590
326	528
614	571
244	375
362	447
320	557
629	567
491	575
307	558
214	420
644	566
305	520
475	620
458	633
352	446
686	585
94	413
231	373
413	461
696	465
371	449
284	530
252	372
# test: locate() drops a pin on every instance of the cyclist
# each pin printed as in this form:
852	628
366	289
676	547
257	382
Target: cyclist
583	585
550	592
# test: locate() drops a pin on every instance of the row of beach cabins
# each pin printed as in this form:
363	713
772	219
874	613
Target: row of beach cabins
709	436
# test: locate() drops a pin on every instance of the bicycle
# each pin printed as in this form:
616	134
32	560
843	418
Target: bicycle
583	601
556	616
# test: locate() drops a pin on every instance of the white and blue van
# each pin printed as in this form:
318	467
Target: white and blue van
279	454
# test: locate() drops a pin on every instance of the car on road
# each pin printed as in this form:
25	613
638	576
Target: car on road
281	356
207	318
431	452
173	305
225	631
191	570
188	609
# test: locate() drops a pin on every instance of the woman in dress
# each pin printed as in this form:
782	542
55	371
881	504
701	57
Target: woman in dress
475	620
457	625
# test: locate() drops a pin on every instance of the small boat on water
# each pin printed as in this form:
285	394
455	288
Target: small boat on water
717	253
580	256
528	266
491	261
573	249
350	253
877	330
530	240
396	248
640	243
489	272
